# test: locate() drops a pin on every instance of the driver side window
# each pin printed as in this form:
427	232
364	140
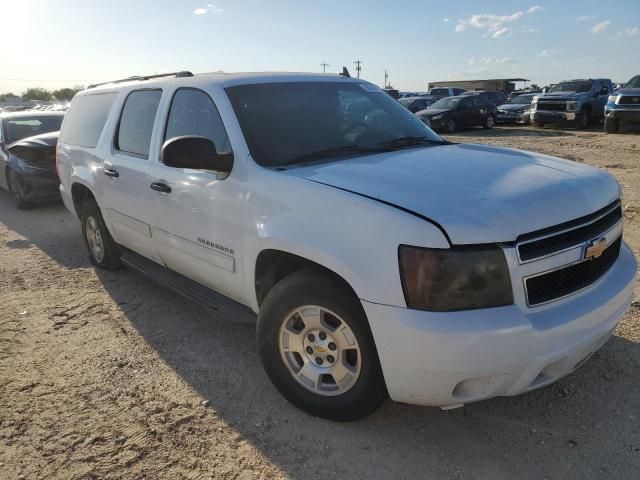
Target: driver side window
193	112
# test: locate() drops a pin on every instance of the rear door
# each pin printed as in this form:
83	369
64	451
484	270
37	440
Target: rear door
126	172
466	115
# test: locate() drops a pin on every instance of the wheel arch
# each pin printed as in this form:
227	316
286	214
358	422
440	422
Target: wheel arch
79	194
273	265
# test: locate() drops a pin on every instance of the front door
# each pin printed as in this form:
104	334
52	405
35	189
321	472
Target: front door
198	218
126	173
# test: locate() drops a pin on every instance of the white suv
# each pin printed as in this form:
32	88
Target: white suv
379	259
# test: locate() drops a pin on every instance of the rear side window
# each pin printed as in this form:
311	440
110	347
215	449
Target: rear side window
136	122
194	113
86	118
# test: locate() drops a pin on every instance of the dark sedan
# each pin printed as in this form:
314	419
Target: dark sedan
516	110
495	98
452	113
27	160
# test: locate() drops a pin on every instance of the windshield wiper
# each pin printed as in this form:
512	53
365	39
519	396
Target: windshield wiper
328	153
402	142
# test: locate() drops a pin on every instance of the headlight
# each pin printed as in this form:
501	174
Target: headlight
436	117
459	278
572	106
613	98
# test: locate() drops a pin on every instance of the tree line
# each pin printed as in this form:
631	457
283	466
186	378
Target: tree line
45	95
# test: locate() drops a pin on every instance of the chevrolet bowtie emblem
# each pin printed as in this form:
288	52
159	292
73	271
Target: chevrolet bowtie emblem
595	248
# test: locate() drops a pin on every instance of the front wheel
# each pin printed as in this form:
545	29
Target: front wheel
317	349
17	192
451	126
489	122
582	120
611	125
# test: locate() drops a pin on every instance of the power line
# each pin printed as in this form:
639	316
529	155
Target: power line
324	66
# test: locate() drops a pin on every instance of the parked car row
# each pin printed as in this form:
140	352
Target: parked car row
575	103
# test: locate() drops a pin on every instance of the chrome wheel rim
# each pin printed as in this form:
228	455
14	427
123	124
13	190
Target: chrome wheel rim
320	350
490	122
94	239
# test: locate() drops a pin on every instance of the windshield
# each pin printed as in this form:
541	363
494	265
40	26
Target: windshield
447	103
575	86
633	83
23	127
292	123
521	100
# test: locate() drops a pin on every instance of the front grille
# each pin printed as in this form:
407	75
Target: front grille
601	221
563	282
552	106
629	100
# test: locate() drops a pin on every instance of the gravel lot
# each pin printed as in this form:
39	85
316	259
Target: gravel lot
103	375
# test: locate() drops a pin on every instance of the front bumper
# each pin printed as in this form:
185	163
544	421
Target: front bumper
624	115
545	116
511	117
452	358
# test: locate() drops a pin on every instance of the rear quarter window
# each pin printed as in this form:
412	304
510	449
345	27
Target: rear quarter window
86	118
136	122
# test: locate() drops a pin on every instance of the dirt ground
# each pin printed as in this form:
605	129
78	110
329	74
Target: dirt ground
103	375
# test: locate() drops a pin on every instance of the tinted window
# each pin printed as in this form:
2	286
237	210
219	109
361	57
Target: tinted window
194	113
439	91
290	123
85	119
22	127
136	122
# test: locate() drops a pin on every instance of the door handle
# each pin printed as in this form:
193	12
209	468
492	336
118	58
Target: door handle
160	187
110	172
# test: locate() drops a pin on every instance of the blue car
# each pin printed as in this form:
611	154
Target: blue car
623	106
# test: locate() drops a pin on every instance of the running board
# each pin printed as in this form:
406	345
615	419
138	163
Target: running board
225	308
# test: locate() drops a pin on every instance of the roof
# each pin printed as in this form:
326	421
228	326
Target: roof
32	113
228	79
487	80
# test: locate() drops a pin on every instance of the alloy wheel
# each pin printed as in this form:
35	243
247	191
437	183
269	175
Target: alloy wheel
94	239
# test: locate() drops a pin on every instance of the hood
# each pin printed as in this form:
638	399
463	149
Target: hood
562	95
627	91
39	149
477	193
513	107
430	112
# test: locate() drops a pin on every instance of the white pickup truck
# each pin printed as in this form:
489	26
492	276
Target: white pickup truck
380	259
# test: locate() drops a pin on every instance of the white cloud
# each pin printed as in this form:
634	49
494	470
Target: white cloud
529	30
601	26
446	20
585	18
495	25
630	32
210	8
491	61
546	53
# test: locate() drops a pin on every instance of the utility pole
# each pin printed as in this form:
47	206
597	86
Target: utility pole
386	78
324	66
358	64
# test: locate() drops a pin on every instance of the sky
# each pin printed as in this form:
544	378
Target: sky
62	43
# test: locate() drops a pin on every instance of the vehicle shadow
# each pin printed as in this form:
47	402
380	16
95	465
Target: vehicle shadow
555	432
46	226
513	131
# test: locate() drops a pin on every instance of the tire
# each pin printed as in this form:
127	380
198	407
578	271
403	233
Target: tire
450	126
103	251
332	305
582	120
611	125
538	124
489	122
17	193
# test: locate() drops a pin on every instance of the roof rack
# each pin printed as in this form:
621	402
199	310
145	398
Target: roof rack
181	74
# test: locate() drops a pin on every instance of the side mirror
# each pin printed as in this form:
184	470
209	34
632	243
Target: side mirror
198	153
604	91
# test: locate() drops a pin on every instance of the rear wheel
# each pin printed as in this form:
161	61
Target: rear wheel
611	125
17	192
317	349
489	122
103	251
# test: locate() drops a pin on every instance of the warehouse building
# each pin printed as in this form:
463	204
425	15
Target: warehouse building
506	85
